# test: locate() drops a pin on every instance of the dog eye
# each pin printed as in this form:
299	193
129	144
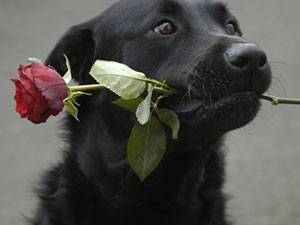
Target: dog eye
165	28
231	28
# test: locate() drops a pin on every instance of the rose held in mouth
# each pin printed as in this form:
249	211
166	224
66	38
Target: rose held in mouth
40	92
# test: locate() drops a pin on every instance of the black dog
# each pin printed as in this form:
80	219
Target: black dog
196	46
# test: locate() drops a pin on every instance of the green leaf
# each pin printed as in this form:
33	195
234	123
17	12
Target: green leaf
71	102
170	118
146	147
144	109
119	78
68	75
130	104
71	108
76	94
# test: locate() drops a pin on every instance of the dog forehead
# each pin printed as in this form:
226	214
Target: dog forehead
199	3
170	3
127	16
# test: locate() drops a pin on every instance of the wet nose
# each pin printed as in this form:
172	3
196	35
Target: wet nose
246	56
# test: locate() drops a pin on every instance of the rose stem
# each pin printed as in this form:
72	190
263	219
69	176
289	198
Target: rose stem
95	87
168	91
86	88
276	100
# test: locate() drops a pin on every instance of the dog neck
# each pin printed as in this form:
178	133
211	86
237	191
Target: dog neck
101	156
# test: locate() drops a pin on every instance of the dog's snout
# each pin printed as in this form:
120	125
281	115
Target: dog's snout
246	56
252	61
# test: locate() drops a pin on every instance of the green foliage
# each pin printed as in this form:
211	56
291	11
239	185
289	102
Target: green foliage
147	143
170	118
146	147
119	78
130	104
68	75
71	102
144	109
72	109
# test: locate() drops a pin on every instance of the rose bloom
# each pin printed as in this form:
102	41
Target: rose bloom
40	91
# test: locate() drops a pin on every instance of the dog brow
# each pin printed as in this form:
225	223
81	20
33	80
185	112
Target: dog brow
220	5
170	7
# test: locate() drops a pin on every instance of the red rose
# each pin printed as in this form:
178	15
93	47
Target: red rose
40	92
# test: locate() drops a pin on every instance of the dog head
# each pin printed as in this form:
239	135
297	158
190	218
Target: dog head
193	45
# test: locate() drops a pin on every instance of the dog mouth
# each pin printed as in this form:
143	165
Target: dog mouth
206	87
194	104
213	118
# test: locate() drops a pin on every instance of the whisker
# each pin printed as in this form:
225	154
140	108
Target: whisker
189	91
278	80
278	86
264	116
181	102
279	72
285	64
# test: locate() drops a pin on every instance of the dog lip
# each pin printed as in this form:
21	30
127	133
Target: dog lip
197	103
233	96
238	94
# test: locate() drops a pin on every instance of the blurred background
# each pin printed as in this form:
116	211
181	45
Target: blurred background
263	159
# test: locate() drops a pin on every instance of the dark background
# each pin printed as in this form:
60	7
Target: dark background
263	158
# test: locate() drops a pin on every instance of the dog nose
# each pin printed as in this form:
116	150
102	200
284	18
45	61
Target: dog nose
252	61
246	56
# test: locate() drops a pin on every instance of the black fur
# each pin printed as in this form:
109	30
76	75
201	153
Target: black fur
94	185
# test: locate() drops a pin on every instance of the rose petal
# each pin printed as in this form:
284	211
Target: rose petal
39	111
26	80
52	86
45	78
40	92
22	99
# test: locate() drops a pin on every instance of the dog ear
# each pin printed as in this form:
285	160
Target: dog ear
78	45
